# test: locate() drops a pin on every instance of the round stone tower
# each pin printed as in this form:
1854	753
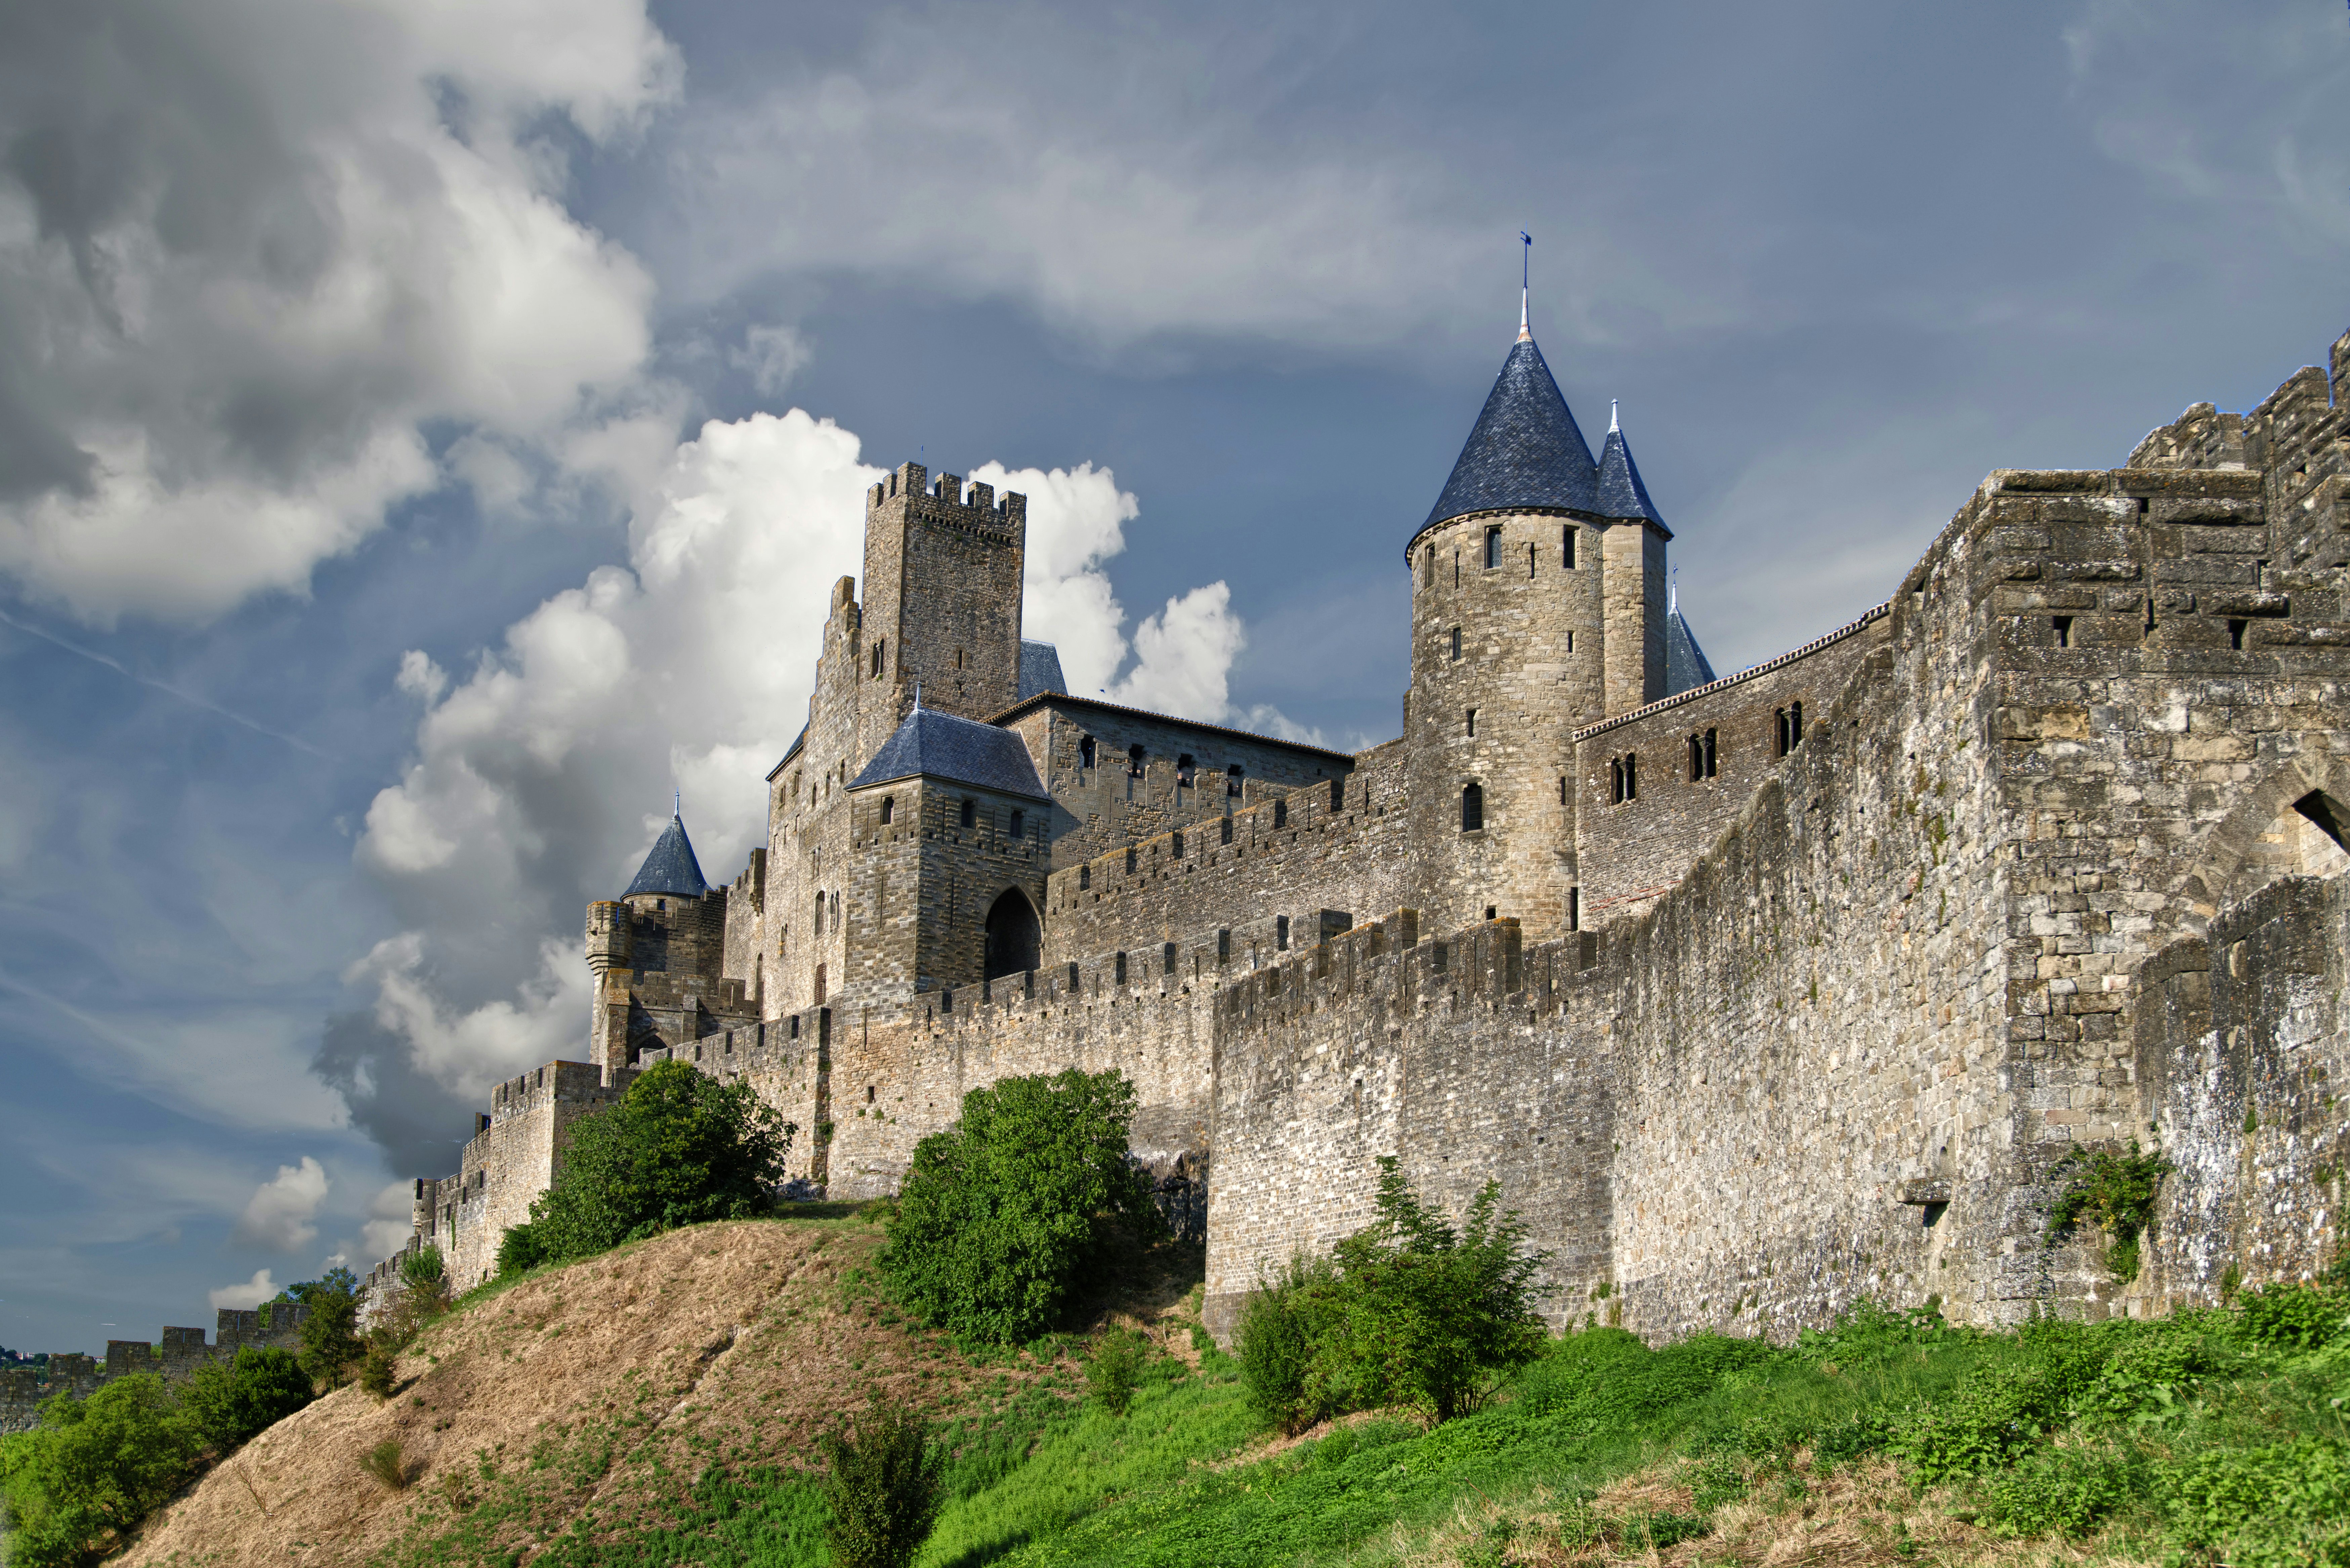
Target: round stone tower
1530	579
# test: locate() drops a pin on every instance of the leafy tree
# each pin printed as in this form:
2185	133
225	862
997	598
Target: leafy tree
337	1280
77	1486
233	1402
423	1269
885	1487
1408	1310
998	1213
679	1149
330	1340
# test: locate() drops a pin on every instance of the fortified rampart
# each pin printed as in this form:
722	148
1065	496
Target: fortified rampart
24	1389
1753	997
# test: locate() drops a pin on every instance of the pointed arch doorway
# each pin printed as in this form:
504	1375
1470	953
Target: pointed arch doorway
1014	935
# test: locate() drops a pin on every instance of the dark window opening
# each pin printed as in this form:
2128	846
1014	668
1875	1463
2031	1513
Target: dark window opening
820	985
888	809
2141	505
1228	830
1566	546
1281	814
957	659
1931	1213
1130	860
879	651
1084	877
1118	969
1428	567
1492	548
2327	812
1473	723
1701	756
868	1093
1223	944
1473	808
1530	561
1281	933
660	903
970	813
1575	909
2063	632
1233	780
1183	769
1562	789
1456	642
1013	935
1623	779
1085	753
1710	753
819	914
1177	837
1790	720
1134	755
1166	959
1489	911
2236	634
1570	642
1339	794
1019	823
1456	569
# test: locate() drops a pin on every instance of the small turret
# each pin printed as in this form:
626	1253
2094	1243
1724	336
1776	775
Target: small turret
670	869
608	935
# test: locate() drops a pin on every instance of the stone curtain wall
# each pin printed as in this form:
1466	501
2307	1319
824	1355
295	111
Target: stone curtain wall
23	1389
1189	884
1631	852
2242	1052
1107	806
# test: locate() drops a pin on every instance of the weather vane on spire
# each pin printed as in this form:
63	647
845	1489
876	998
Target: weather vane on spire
1525	276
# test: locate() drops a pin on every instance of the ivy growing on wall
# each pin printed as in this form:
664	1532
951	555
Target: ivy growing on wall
2114	1192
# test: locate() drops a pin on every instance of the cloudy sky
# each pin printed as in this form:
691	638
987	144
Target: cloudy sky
427	430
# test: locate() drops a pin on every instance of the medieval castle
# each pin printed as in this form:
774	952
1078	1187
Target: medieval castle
1756	994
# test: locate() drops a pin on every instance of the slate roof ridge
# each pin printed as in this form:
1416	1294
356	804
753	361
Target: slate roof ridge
931	744
1525	450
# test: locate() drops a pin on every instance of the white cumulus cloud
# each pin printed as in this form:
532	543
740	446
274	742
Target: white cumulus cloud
248	1295
250	252
282	1211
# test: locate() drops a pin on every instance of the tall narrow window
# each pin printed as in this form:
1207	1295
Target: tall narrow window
1456	642
2063	632
2236	633
1473	723
1709	758
1281	933
1184	768
1570	642
1084	877
1130	860
1086	751
1562	789
1473	808
1281	814
1339	794
888	809
819	914
1019	824
1530	560
1428	566
1492	548
1794	725
957	659
970	814
1631	777
1696	760
1566	546
1780	744
1575	909
1233	776
835	909
820	985
1614	781
1227	837
1134	755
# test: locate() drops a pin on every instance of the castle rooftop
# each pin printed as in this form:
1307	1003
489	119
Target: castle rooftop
931	744
1027	705
1621	492
670	869
1525	452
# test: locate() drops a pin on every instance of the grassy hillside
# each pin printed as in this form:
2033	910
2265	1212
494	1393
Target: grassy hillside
657	1406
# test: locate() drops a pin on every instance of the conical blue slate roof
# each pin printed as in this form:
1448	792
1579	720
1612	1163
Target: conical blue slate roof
931	744
1621	493
1685	667
1525	451
670	869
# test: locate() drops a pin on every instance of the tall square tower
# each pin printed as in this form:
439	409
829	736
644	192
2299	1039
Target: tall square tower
943	584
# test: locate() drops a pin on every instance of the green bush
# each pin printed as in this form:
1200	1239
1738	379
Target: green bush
423	1269
2266	1507
679	1149
1000	1213
233	1402
2063	1491
1114	1369
2293	1317
77	1486
2114	1192
884	1489
1407	1310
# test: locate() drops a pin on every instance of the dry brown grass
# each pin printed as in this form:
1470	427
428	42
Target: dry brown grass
625	1375
1861	1516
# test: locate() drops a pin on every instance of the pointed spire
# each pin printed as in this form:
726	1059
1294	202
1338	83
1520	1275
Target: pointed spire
1525	451
1525	276
670	868
677	805
1615	417
1621	492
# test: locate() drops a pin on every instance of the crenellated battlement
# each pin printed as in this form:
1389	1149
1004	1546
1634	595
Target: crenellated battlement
944	500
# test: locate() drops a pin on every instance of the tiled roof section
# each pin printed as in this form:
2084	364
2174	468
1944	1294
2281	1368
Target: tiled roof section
1040	670
1685	662
1868	618
1525	451
1621	493
931	744
670	869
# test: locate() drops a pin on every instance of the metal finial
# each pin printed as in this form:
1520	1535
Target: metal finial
1673	592
1525	276
677	806
918	696
1614	424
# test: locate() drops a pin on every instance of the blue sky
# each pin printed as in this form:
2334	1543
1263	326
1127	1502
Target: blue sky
402	491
